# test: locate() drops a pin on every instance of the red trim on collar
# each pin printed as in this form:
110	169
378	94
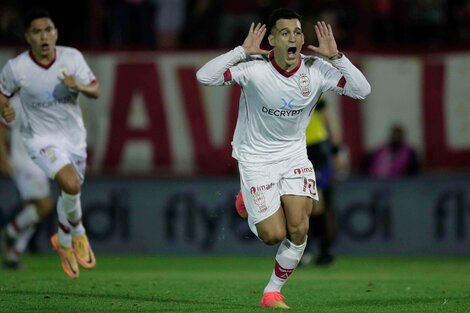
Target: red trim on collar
45	66
282	71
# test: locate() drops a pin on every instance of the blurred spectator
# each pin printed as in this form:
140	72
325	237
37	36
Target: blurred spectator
201	18
10	23
235	19
396	158
340	15
169	22
427	21
133	24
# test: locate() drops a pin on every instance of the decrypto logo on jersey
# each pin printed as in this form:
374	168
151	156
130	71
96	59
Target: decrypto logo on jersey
286	109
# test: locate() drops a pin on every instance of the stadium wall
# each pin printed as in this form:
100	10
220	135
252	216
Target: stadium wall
426	215
154	118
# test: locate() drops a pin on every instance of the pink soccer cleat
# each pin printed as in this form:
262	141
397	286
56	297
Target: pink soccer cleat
273	300
240	206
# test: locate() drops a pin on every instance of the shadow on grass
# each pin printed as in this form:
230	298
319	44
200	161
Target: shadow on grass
126	297
398	301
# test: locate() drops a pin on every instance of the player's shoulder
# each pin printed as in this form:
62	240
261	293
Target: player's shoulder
68	51
19	59
311	60
257	59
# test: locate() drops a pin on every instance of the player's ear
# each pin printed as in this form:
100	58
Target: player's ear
271	40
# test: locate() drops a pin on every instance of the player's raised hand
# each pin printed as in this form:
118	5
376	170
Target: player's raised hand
8	113
254	38
326	40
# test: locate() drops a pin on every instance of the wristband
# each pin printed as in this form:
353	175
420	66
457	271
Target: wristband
337	56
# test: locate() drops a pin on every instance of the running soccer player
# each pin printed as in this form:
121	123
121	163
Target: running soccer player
49	80
279	91
33	187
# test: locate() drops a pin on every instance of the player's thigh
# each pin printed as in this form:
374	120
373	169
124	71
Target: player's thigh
53	156
260	191
272	229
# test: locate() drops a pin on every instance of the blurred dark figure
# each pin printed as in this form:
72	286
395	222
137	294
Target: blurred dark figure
396	158
341	15
169	22
329	158
133	23
199	30
427	22
236	15
10	24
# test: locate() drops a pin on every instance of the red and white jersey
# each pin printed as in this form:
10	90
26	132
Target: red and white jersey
51	109
275	105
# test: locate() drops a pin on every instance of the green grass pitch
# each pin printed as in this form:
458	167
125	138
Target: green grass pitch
122	283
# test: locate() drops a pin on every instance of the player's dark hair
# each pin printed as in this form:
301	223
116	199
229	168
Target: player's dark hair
281	13
34	14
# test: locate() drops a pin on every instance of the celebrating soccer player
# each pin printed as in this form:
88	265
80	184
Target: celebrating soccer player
280	89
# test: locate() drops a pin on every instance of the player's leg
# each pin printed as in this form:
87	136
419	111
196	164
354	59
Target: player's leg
51	158
296	210
261	197
69	208
297	189
34	190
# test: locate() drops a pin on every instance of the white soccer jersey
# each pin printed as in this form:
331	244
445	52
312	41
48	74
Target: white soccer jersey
18	155
275	105
51	108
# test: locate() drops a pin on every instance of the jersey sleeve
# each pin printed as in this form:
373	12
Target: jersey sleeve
8	83
83	72
222	69
343	77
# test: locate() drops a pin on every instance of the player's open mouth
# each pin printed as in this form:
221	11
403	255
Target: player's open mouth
291	52
45	46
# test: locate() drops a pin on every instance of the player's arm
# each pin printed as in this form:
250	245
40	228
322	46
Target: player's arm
6	110
5	165
351	81
91	90
216	72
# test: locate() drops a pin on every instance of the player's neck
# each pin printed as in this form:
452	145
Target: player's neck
44	60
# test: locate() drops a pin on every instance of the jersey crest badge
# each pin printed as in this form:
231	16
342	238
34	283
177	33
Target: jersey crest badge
304	84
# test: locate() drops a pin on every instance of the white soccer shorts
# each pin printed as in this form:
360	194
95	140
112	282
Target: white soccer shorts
30	181
52	155
262	185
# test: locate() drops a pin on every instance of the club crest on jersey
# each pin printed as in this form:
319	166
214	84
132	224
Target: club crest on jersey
259	199
304	84
49	153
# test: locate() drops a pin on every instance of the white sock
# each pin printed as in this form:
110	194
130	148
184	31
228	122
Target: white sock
287	257
73	209
26	218
65	229
23	239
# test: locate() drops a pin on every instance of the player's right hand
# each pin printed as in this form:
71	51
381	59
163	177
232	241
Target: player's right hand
8	113
5	167
253	40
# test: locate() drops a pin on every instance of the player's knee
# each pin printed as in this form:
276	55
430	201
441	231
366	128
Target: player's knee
298	231
71	186
273	237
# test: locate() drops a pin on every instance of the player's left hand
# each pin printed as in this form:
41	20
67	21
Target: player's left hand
326	40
